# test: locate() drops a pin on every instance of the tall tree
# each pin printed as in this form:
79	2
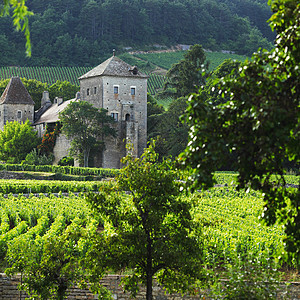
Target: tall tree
259	124
87	127
20	18
186	76
149	226
16	141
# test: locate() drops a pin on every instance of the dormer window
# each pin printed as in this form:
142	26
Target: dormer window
116	89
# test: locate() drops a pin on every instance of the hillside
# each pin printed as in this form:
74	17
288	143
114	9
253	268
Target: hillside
82	33
155	65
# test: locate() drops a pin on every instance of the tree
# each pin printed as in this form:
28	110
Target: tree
259	124
87	127
20	18
63	89
16	141
149	227
51	261
186	76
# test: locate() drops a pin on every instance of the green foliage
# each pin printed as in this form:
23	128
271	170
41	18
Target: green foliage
186	76
84	32
49	138
16	140
250	280
19	17
150	230
63	89
87	127
47	186
66	161
61	169
259	125
35	158
172	131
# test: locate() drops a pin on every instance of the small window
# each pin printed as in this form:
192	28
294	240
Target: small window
95	90
87	92
115	116
19	115
127	117
132	91
116	89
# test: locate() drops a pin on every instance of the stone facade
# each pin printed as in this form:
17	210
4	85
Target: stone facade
9	291
122	90
113	85
15	103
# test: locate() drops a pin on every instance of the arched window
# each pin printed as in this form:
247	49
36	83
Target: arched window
127	117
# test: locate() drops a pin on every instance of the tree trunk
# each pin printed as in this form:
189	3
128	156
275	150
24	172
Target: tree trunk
149	268
86	154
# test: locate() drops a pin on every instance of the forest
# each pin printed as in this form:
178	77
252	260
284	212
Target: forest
84	32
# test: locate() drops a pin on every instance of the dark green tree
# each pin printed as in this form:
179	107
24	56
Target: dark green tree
16	141
53	261
187	76
87	127
20	18
63	89
149	226
259	124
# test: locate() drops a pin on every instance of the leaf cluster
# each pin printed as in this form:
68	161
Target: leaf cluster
259	124
149	226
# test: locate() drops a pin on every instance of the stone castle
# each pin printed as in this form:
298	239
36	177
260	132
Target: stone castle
113	85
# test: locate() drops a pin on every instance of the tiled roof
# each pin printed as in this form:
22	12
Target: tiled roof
51	115
113	66
16	93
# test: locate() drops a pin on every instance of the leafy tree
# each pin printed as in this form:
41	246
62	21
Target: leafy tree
260	125
51	262
149	227
20	18
186	76
63	89
87	127
16	141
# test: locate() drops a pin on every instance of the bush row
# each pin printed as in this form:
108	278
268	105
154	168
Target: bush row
61	169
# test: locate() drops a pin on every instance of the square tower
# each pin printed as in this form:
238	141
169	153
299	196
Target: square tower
122	90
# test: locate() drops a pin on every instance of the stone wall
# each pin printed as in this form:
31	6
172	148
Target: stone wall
9	291
61	148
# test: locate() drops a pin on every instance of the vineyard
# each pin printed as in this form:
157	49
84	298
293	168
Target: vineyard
71	74
51	75
165	60
31	225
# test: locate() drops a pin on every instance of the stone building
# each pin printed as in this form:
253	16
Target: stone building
15	103
122	90
113	85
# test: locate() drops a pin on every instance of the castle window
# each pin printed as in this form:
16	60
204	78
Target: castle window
115	116
19	114
95	90
87	92
116	89
132	91
127	117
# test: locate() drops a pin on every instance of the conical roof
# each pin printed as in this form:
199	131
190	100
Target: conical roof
114	66
16	93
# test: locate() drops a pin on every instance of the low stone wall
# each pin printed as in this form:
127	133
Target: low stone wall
9	291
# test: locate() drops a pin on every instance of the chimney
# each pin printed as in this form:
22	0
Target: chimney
45	98
58	100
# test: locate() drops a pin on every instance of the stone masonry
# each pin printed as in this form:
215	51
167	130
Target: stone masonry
9	291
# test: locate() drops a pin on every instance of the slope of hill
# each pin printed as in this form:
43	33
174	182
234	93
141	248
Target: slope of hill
82	33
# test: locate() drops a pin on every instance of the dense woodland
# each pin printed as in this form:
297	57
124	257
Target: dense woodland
84	32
